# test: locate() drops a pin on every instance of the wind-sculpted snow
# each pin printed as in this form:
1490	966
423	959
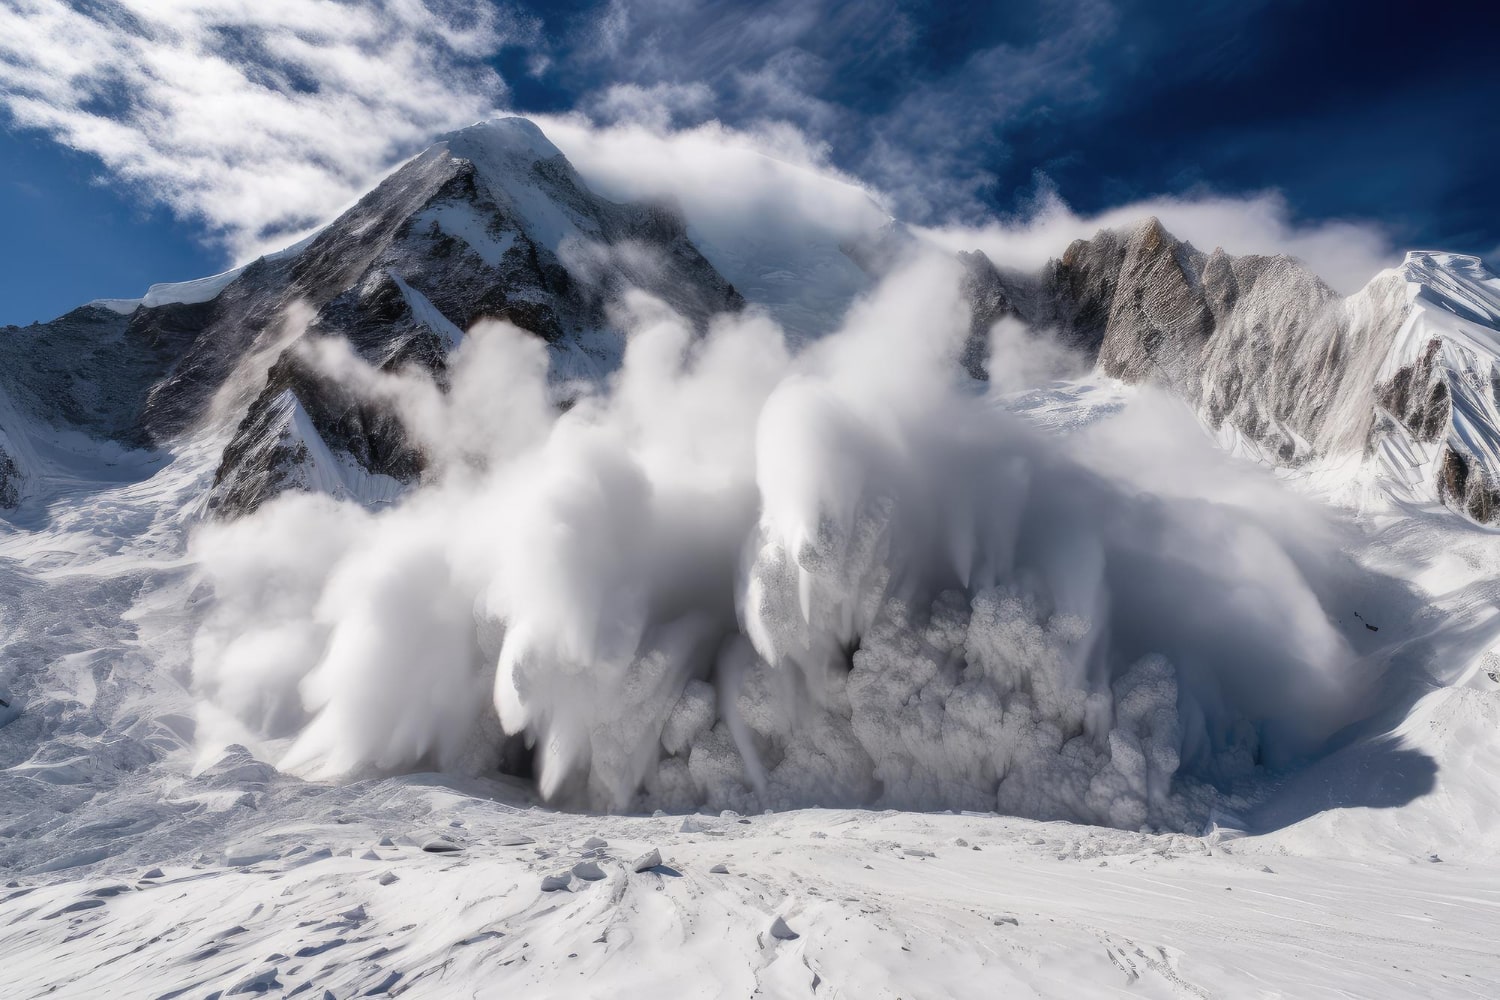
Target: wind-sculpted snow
1440	383
747	578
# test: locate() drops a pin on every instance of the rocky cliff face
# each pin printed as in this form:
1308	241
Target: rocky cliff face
10	477
1262	348
1439	386
490	222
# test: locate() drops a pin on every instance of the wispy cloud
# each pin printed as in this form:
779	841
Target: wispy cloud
1346	254
858	75
658	105
254	118
259	119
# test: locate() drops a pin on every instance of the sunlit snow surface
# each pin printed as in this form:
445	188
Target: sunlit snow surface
264	883
148	859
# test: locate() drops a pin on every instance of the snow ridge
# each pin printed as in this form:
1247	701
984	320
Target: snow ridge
1440	383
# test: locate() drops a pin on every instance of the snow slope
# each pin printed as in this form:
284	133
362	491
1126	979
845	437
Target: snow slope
197	290
141	868
333	891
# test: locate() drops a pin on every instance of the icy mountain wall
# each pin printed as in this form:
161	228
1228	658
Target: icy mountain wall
1440	382
1261	345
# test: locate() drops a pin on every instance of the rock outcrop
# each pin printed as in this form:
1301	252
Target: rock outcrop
491	222
1267	352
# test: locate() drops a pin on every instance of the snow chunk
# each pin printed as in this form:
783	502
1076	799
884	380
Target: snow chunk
589	871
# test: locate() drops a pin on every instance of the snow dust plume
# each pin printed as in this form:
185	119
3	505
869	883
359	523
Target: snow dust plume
749	577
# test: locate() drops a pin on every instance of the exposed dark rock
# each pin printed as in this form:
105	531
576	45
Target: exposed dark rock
1416	398
271	449
984	290
83	370
10	480
1081	289
490	223
1159	319
1463	485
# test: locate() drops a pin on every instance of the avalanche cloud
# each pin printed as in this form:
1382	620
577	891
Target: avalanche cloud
745	575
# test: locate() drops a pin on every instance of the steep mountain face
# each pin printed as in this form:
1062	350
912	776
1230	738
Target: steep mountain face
1439	387
490	222
10	476
1270	355
989	302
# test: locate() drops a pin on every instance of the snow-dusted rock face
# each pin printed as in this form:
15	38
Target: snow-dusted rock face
10	476
489	222
1440	382
1403	370
1242	336
93	368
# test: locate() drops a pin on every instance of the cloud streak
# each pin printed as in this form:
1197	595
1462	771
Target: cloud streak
254	119
259	121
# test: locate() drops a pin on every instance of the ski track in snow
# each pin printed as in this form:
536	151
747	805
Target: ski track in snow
135	871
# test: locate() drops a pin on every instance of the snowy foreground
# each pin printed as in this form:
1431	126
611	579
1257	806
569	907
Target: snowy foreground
330	890
140	864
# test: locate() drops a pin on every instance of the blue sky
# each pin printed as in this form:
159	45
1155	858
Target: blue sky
1371	111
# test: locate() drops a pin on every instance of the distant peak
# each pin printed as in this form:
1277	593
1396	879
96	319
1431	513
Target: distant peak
1151	235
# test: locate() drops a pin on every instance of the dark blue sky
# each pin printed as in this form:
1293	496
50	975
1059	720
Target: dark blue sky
1372	110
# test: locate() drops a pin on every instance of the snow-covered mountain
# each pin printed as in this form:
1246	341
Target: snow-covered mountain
564	519
492	221
1274	359
489	222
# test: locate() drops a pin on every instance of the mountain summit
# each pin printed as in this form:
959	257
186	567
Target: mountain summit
491	221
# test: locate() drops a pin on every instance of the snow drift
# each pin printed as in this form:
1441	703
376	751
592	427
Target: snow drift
742	576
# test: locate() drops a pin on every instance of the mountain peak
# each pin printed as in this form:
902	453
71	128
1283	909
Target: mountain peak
511	139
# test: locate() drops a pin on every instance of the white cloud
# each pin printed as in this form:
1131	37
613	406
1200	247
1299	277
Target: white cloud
1346	254
656	106
774	185
261	119
256	118
776	174
762	205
